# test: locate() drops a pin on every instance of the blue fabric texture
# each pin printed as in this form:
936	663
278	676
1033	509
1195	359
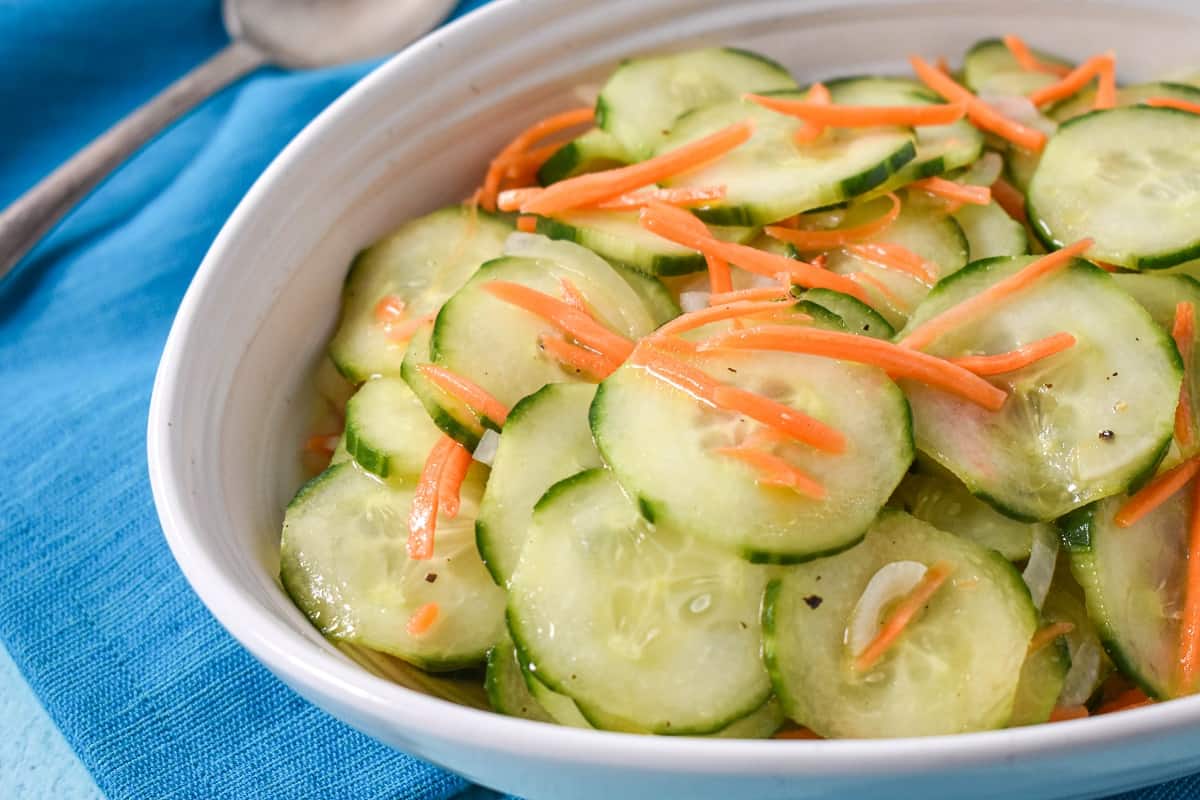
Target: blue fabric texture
155	698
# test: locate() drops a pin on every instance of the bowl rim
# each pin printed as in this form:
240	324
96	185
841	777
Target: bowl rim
274	643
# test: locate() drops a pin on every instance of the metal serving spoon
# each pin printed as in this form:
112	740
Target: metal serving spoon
286	33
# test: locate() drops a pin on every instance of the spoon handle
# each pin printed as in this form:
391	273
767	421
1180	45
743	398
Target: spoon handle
24	223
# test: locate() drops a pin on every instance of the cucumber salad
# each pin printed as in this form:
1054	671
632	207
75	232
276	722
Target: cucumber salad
734	406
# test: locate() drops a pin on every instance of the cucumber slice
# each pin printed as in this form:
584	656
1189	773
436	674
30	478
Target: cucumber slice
1043	676
1159	294
1089	664
496	345
504	682
388	431
654	293
1020	165
644	95
940	148
989	68
1082	102
590	152
619	237
955	667
857	316
654	436
1083	424
946	504
450	415
423	262
1127	177
922	227
545	439
991	232
769	178
344	562
645	630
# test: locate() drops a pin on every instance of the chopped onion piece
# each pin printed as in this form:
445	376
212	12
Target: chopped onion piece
485	451
518	243
985	171
891	583
1039	571
1084	674
1019	109
694	300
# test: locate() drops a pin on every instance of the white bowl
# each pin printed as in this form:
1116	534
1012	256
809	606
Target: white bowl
232	390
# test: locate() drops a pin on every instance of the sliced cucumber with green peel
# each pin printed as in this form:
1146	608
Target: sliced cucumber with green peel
1083	424
653	434
545	440
1082	102
857	316
1129	178
505	685
1043	676
344	562
388	431
1134	579
1020	166
940	148
644	96
991	232
945	503
590	152
448	413
646	631
990	68
497	346
954	668
422	263
654	293
1089	663
620	238
769	178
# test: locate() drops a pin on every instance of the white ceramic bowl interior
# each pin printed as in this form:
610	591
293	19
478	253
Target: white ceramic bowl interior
233	390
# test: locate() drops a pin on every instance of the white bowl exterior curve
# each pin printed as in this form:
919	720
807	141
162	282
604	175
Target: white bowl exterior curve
232	392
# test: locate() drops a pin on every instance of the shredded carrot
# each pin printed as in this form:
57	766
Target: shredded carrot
777	416
1020	358
925	333
570	320
1189	625
422	514
322	443
1048	634
1009	198
983	115
513	199
1028	61
774	471
706	316
943	66
422	619
951	190
403	331
682	197
467	392
527	223
844	116
528	162
896	257
905	611
572	296
1106	266
1172	102
797	733
882	288
1073	81
1134	698
897	361
818	94
823	240
454	472
751	259
1155	493
389	309
720	279
1067	713
596	187
1183	331
579	358
522	142
742	295
1106	88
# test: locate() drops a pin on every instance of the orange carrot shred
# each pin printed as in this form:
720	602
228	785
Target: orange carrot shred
1048	634
403	331
522	142
527	223
596	187
845	116
822	240
1067	713
1133	698
895	360
775	471
579	358
422	619
389	309
983	115
323	443
570	320
1189	625
882	288
1073	81
512	199
797	733
754	294
943	66
467	392
1016	359
706	316
905	611
951	190
896	257
925	333
1009	198
527	162
454	472
1028	61
818	94
1172	102
720	279
1155	493
572	296
422	514
1183	331
1106	88
682	197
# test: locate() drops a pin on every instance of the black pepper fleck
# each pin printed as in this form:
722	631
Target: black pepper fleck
1106	434
430	577
731	369
814	601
